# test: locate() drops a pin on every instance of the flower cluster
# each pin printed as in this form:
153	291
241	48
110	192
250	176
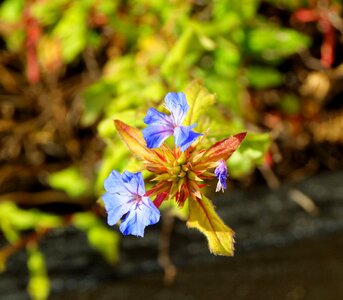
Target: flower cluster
180	174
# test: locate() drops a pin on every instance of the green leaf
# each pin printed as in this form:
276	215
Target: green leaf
240	164
245	9
199	100
19	219
203	217
264	77
11	10
39	283
85	221
115	157
48	12
272	43
107	129
96	97
70	181
250	154
11	13
227	58
107	7
72	31
177	54
106	241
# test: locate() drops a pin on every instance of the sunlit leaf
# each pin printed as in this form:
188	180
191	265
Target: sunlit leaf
96	97
203	217
177	53
244	9
106	241
11	13
199	100
114	157
39	283
20	219
48	12
11	10
84	221
72	31
69	180
227	58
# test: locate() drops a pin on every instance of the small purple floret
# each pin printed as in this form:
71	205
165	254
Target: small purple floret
221	174
161	126
125	196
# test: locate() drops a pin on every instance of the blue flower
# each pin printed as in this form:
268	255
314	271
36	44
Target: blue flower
125	196
162	126
221	174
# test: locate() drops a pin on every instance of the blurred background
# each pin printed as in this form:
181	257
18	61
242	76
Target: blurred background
68	68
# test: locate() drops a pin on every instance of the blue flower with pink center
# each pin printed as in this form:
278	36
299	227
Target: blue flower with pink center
124	197
161	126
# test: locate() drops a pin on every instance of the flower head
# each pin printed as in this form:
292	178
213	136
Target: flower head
161	126
125	196
221	174
180	172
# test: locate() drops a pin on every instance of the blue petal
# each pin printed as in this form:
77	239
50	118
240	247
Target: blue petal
177	105
140	217
114	184
156	135
149	209
116	206
184	136
223	181
132	224
134	182
155	117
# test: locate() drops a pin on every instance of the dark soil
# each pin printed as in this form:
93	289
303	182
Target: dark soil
283	252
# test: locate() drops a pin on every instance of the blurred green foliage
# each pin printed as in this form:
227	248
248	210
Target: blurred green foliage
13	220
69	180
39	283
152	47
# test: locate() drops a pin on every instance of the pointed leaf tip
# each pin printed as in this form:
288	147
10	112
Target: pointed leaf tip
203	217
240	136
224	148
134	140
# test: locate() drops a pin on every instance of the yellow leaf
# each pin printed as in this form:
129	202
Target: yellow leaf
199	100
134	140
203	217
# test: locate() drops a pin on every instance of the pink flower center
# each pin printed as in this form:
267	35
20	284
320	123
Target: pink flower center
137	198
